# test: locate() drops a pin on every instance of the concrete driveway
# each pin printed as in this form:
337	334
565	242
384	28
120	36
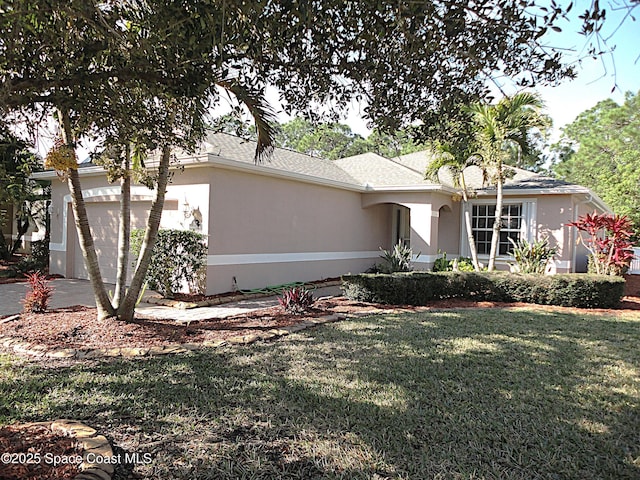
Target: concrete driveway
67	292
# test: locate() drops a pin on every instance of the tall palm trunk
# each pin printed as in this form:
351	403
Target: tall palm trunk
126	310
467	221
103	304
497	224
124	231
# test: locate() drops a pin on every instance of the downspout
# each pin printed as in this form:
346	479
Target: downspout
574	245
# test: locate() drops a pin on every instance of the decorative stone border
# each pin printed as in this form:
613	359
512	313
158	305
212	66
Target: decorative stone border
96	446
25	348
167	302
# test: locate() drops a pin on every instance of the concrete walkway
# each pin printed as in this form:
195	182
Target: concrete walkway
68	292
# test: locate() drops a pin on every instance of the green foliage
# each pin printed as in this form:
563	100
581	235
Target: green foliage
335	140
37	298
532	257
17	163
420	288
178	258
461	264
397	260
442	264
296	300
600	149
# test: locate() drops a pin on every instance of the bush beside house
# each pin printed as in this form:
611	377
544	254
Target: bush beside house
419	288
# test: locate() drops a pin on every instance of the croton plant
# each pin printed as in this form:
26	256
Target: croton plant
608	239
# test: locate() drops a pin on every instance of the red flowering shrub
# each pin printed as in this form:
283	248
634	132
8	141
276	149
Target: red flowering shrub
296	300
608	241
37	298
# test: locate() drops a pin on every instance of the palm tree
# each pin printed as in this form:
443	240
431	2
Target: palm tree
446	156
501	126
124	302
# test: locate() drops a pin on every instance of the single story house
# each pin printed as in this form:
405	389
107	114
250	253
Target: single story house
302	218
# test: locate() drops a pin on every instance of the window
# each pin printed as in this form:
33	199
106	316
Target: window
482	220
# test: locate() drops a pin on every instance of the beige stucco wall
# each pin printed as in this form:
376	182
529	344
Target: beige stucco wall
262	230
269	231
102	203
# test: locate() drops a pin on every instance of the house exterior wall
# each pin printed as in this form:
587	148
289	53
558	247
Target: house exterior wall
425	210
449	229
102	204
269	231
546	216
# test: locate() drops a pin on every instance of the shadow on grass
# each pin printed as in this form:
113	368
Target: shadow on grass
455	394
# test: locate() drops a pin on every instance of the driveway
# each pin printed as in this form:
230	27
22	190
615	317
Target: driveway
68	292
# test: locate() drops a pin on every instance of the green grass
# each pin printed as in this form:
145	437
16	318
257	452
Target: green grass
462	394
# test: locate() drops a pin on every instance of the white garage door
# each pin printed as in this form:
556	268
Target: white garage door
103	219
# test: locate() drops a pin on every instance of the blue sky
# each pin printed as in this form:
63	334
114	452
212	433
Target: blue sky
596	78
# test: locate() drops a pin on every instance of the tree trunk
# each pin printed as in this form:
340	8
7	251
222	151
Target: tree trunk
105	309
467	221
22	223
126	310
4	249
124	232
497	225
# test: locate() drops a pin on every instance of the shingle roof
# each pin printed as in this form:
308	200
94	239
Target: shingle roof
376	171
368	169
230	147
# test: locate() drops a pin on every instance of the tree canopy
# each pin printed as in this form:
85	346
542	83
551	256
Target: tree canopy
17	163
600	149
333	140
146	73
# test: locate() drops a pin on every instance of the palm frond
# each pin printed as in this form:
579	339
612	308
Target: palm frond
262	113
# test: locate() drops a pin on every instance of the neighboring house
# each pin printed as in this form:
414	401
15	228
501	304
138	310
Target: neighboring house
301	218
9	229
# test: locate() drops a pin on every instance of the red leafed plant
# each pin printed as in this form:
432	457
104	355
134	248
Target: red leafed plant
296	300
37	298
608	241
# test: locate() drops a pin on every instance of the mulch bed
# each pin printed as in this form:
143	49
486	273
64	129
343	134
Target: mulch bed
78	327
34	452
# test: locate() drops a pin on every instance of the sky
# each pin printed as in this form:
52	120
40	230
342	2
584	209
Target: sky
608	76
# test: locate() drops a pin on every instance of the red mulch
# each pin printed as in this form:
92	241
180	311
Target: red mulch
78	327
34	452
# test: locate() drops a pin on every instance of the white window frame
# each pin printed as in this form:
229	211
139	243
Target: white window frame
528	226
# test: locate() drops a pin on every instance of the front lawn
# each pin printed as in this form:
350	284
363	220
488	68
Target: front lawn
464	394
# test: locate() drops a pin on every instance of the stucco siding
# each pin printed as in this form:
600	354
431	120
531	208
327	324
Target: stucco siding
319	231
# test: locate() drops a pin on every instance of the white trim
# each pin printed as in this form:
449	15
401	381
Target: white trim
528	228
254	258
138	190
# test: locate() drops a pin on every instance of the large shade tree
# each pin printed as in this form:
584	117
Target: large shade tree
600	149
130	72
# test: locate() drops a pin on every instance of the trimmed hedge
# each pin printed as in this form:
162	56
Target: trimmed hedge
419	288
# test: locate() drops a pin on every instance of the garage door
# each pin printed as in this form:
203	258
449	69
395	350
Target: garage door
103	219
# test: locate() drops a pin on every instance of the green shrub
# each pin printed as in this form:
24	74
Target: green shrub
420	288
462	264
396	260
178	258
532	257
